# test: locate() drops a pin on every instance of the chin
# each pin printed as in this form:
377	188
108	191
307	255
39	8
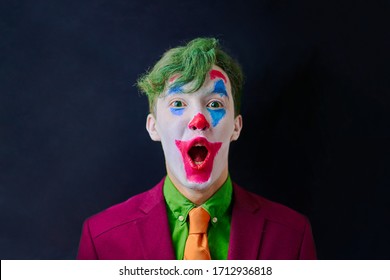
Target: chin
196	185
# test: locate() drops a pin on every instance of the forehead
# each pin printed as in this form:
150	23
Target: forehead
217	73
215	80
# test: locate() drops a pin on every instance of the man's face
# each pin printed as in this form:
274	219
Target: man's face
196	129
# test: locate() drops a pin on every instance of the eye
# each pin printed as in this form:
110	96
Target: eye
177	104
215	104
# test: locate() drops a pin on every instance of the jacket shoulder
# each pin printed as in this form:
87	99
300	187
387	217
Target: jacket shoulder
274	211
125	212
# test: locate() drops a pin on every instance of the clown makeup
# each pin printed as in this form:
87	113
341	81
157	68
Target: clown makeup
195	130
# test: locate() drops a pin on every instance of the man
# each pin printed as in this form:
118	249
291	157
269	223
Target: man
194	96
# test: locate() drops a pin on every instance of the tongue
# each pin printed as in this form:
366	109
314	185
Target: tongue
198	158
198	154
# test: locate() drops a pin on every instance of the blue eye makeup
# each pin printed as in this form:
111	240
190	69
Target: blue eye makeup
216	109
216	115
177	111
176	89
177	107
219	87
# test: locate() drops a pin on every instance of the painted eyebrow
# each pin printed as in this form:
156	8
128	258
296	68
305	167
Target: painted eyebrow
176	89
219	87
174	77
214	74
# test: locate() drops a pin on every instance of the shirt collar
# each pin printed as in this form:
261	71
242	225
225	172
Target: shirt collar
216	206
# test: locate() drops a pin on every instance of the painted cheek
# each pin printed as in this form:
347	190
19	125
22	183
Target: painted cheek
177	111
216	115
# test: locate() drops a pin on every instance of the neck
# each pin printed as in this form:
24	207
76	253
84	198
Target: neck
201	195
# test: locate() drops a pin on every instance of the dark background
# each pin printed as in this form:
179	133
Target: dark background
315	107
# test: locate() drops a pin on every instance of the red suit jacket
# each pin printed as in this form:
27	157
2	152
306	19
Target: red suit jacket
138	229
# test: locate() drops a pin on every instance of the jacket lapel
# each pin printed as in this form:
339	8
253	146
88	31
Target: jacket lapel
153	228
245	234
246	226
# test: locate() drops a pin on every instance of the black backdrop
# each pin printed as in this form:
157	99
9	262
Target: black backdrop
72	124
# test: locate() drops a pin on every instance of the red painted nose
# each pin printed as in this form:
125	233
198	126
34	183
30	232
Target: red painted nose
199	122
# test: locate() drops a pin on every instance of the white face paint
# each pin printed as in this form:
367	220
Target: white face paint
195	130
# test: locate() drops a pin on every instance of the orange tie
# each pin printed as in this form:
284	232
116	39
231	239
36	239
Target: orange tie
197	246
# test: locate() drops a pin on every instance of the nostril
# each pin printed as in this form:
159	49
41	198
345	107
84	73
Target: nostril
199	122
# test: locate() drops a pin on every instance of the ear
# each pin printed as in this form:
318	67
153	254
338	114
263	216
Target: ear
237	128
151	128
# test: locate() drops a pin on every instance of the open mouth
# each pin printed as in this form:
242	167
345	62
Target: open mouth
198	157
198	153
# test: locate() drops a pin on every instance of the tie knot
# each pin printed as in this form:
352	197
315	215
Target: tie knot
199	220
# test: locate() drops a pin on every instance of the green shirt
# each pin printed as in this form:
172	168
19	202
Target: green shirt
218	206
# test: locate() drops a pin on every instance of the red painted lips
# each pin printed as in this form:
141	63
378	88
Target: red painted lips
198	157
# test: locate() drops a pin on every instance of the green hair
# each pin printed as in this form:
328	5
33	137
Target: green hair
192	61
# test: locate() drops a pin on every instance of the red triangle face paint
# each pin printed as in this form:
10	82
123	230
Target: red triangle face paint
214	74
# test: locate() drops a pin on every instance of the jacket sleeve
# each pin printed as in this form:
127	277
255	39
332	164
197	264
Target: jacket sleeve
86	249
308	248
